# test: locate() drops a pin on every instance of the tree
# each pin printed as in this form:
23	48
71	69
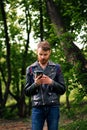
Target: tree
72	52
18	70
7	42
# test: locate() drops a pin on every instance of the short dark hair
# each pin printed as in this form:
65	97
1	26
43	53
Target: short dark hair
44	45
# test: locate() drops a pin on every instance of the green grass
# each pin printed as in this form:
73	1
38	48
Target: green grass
75	125
76	117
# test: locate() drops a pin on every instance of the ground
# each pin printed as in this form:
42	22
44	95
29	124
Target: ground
21	124
16	125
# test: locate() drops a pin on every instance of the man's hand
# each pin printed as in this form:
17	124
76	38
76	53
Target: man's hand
43	80
38	80
46	80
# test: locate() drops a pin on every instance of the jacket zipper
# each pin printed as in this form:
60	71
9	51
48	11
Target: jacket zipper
42	97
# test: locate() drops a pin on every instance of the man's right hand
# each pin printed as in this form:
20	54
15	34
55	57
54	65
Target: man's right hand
38	80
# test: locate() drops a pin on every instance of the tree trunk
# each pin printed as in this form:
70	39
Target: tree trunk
21	106
8	53
41	20
71	51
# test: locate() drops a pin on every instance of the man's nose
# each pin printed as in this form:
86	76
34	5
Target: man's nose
42	56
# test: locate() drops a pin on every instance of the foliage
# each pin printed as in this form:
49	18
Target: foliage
76	117
23	16
8	114
76	125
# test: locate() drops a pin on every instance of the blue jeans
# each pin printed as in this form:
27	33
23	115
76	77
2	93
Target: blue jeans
49	113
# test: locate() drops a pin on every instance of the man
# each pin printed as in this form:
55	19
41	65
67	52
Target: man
44	89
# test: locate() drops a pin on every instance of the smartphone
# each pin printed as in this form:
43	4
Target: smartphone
38	72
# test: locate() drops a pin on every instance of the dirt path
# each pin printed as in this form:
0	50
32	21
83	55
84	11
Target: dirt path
16	125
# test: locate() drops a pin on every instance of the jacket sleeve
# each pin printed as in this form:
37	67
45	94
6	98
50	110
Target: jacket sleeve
58	84
30	87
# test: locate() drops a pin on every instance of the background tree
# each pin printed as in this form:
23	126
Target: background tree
73	54
7	42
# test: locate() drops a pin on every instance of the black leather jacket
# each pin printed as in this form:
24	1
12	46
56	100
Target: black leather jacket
45	94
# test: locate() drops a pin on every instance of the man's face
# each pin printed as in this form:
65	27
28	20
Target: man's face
43	56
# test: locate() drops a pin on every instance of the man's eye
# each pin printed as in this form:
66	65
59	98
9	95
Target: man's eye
45	55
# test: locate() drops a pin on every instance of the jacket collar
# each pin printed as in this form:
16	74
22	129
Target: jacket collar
49	63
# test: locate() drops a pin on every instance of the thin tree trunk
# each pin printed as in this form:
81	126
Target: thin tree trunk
41	20
8	52
22	108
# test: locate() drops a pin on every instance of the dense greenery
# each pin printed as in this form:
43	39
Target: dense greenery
75	118
58	21
77	125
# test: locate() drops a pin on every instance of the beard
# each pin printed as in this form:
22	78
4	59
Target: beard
43	61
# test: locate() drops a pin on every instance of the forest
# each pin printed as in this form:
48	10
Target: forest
23	23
